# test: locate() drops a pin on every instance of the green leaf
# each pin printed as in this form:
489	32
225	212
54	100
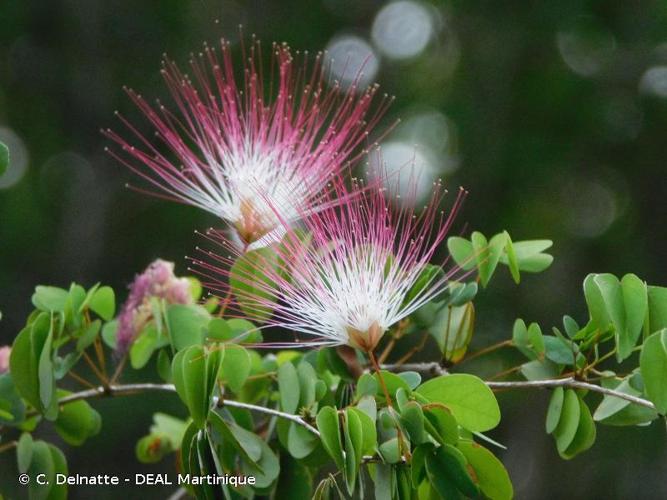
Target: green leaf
569	421
393	383
418	463
368	405
447	472
617	411
560	350
58	492
143	347
248	444
428	275
390	451
596	304
41	463
512	261
540	370
47	460
47	382
195	371
461	251
635	301
482	252
455	466
163	365
235	366
412	418
490	474
252	285
109	334
529	255
152	448
50	298
77	421
529	341
585	435
172	427
571	326
185	324
441	425
295	480
413	379
496	247
75	298
555	409
452	329
195	288
461	293
653	366
368	431
300	441
103	303
470	400
328	425
307	382
31	367
218	330
240	331
267	469
24	452
353	449
288	385
89	335
367	385
4	158
244	331
612	296
657	307
12	408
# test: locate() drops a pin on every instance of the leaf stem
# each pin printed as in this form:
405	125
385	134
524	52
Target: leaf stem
376	367
95	369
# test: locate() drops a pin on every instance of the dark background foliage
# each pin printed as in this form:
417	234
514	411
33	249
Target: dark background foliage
552	114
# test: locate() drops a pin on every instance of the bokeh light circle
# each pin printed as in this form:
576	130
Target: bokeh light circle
654	81
350	58
402	29
18	158
410	170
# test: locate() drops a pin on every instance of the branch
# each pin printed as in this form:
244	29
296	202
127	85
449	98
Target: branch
431	368
571	382
269	411
126	389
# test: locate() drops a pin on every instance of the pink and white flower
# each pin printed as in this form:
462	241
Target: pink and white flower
226	142
348	281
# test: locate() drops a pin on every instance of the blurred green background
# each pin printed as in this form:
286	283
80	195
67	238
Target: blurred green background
552	114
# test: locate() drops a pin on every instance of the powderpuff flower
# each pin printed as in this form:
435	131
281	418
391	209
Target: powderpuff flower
348	280
158	281
226	142
5	351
